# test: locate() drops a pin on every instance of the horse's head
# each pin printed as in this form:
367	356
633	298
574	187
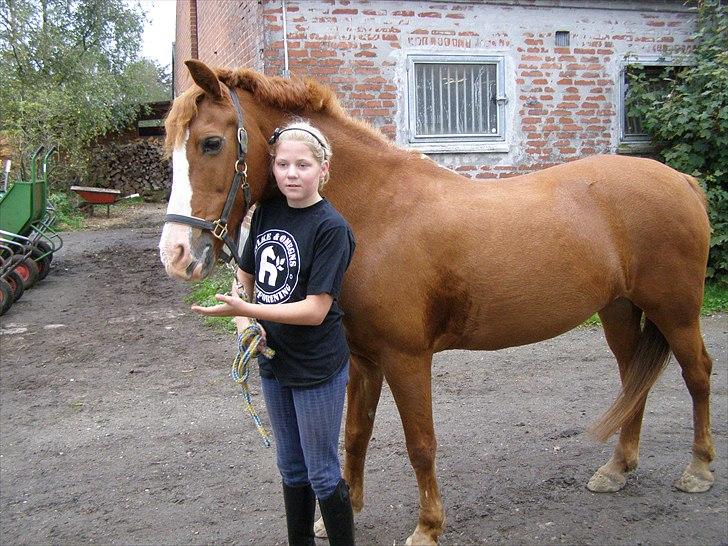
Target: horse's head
210	190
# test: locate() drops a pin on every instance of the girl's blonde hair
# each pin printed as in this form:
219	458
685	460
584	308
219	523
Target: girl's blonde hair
303	131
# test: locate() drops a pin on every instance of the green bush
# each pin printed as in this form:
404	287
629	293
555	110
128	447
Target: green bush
686	117
68	217
71	74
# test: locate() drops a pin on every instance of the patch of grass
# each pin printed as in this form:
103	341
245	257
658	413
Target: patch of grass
68	216
129	201
203	293
715	299
594	320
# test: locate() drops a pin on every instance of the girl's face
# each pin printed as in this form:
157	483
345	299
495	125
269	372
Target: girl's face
298	174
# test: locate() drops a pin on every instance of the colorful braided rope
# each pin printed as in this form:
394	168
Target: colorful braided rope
249	347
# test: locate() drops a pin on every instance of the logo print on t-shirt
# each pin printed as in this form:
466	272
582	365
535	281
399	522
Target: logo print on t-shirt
277	259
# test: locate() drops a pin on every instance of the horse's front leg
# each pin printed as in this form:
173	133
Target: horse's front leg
410	381
363	391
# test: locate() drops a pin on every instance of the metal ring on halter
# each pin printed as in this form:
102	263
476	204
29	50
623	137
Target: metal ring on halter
244	171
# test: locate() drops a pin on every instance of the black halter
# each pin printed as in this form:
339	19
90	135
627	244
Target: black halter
219	228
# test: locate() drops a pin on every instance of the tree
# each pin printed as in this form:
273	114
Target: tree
686	116
70	74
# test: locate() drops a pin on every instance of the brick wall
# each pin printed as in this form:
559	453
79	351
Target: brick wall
182	46
563	102
230	33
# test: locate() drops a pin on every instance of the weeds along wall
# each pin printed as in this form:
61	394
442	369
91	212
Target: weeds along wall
530	85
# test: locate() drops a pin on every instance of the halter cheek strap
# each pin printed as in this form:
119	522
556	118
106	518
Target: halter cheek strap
219	228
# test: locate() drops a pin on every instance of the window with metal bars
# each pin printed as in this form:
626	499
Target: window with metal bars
455	98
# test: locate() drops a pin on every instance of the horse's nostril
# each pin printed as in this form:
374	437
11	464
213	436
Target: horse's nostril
179	252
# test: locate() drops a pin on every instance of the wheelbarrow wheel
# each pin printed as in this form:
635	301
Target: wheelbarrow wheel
44	263
28	271
16	284
44	248
6	296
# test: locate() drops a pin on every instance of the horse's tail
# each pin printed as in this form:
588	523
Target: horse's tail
650	359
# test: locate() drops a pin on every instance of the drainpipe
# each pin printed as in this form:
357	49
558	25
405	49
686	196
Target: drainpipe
194	51
286	73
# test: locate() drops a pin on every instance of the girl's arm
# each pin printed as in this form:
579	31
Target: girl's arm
308	312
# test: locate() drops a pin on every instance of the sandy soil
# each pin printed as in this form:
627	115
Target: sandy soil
119	424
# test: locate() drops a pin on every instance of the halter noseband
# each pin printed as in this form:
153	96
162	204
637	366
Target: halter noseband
218	227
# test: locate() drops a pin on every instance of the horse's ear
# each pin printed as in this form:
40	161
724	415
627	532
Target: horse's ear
205	78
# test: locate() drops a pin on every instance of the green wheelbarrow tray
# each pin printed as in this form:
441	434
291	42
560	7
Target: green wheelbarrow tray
25	202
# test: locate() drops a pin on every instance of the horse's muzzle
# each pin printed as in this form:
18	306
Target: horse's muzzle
184	255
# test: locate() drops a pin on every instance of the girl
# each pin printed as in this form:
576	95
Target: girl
294	261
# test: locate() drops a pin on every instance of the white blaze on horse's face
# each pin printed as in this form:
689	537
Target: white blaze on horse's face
174	245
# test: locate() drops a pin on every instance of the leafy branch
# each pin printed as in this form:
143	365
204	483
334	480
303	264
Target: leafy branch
685	113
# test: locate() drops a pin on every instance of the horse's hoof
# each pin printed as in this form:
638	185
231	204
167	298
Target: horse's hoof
695	481
319	529
606	483
420	539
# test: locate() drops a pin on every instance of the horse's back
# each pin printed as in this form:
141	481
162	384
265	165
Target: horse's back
486	265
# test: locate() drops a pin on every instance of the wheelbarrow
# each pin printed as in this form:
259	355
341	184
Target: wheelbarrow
27	239
96	196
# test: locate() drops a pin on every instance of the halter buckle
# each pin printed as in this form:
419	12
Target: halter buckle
219	229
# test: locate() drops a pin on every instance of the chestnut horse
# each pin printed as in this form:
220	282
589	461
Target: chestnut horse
443	262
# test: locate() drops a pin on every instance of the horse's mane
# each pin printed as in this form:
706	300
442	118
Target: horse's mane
299	95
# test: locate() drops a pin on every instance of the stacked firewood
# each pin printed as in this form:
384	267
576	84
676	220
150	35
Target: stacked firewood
138	166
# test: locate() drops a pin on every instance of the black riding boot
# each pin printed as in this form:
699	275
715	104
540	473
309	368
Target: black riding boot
300	503
338	516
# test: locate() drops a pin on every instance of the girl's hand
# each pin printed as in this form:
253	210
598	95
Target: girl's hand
230	306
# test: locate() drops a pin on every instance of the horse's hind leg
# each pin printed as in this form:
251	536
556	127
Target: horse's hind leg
621	322
689	350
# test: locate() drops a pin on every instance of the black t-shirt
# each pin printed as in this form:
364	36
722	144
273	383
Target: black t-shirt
293	253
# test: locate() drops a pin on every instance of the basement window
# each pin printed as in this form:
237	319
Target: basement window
562	38
454	100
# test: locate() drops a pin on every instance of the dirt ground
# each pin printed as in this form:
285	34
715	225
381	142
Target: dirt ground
119	424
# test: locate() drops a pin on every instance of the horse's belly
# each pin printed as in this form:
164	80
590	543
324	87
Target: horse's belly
510	333
523	317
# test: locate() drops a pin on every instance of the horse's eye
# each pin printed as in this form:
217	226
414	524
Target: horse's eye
211	145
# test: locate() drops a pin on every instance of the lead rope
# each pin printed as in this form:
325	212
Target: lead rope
249	348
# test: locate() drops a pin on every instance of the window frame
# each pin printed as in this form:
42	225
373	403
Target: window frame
457	143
